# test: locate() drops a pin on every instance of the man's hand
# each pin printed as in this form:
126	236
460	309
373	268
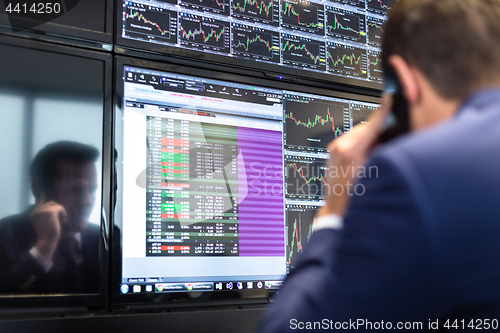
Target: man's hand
347	154
48	219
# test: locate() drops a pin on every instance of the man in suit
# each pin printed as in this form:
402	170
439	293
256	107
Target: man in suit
51	247
418	247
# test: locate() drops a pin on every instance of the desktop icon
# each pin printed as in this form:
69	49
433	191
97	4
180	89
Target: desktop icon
259	284
189	286
229	285
249	285
137	288
240	285
159	287
149	288
218	286
124	288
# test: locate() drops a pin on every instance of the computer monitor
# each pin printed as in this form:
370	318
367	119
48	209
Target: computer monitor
78	22
55	125
216	190
336	40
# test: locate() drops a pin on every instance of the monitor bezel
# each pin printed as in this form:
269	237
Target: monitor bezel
70	35
142	301
259	69
69	303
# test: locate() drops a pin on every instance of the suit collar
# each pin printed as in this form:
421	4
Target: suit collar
483	99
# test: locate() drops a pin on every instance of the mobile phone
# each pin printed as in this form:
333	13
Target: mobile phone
398	122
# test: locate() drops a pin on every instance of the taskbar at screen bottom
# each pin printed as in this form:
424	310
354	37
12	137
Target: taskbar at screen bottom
137	288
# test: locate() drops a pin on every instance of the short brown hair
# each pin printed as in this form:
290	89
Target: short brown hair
454	43
44	171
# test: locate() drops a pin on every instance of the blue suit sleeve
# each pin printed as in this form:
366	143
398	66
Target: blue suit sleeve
378	268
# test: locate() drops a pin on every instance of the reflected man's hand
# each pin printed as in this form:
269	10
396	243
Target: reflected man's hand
48	219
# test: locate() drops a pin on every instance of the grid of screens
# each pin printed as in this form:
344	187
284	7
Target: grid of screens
338	37
220	180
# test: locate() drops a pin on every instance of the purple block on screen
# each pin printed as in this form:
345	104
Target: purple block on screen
261	213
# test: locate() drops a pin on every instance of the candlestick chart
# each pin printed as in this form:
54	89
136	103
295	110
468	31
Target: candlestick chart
305	52
263	11
303	15
315	123
345	24
375	65
301	223
347	59
220	7
150	23
375	31
380	6
305	177
202	32
255	43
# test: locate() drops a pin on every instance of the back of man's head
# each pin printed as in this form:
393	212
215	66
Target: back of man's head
45	166
454	43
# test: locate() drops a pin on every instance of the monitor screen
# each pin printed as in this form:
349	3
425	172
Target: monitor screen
218	181
87	20
327	39
52	249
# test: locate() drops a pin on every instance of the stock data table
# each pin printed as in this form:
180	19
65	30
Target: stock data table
192	188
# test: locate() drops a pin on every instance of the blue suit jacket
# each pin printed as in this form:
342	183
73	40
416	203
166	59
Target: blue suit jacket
422	243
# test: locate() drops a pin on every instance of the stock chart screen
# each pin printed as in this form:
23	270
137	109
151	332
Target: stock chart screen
301	221
221	181
339	37
311	122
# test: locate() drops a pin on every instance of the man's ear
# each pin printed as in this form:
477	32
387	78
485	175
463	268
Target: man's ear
39	187
407	78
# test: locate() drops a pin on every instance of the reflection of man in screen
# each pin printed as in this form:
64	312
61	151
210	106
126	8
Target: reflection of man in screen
51	247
